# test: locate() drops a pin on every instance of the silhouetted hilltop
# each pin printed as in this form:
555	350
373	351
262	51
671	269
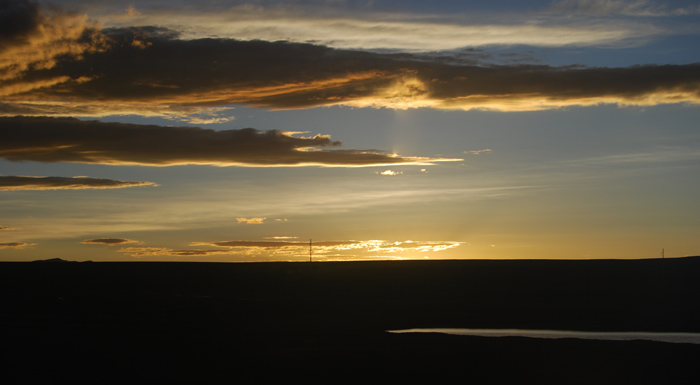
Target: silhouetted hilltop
52	260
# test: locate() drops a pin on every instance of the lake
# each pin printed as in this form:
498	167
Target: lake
684	338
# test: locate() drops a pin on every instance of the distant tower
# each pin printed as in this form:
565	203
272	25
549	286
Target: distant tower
662	254
310	260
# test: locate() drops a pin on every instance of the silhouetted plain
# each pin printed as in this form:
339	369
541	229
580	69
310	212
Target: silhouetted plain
326	322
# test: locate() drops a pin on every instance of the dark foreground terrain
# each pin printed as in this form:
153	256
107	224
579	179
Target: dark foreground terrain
325	323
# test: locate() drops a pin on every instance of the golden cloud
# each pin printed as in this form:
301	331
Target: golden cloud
249	221
294	250
37	39
16	183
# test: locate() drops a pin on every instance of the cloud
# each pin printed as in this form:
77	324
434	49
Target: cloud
273	244
289	250
620	7
57	64
140	252
15	183
15	245
32	37
344	26
477	152
108	241
324	247
249	221
389	173
181	77
45	139
7	228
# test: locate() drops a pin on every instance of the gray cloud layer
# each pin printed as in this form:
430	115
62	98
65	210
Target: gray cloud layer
14	183
45	139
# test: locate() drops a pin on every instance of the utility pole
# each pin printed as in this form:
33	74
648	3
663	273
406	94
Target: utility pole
662	254
310	251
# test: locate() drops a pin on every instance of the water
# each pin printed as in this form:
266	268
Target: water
681	338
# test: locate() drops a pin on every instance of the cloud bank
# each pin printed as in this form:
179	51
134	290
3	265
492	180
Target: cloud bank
184	77
16	183
44	139
54	63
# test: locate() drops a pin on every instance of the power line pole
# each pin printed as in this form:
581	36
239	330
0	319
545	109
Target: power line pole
662	254
310	251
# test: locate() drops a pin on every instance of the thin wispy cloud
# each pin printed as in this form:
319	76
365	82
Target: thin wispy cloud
16	183
641	8
477	152
641	159
7	228
15	245
109	241
43	139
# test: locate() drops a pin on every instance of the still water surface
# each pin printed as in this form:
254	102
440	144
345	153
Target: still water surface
685	338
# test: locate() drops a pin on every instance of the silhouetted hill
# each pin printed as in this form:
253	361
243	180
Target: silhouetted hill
52	260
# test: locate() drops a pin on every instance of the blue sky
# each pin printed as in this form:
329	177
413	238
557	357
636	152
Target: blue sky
381	130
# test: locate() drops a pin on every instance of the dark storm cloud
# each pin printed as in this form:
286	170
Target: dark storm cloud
108	241
14	183
45	139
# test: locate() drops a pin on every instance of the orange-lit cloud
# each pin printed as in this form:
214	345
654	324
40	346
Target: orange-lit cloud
109	241
7	228
249	221
35	38
15	245
389	173
123	79
45	139
15	183
294	250
58	65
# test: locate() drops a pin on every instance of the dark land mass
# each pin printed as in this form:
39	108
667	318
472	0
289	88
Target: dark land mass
326	322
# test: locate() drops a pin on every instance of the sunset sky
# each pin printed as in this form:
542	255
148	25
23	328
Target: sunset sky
238	130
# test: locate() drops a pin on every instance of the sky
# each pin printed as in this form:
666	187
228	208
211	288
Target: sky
238	131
